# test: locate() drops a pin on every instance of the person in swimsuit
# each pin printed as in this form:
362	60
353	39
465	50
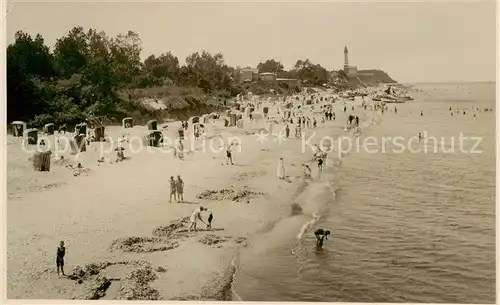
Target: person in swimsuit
195	217
229	155
210	219
179	184
173	189
320	163
321	236
61	251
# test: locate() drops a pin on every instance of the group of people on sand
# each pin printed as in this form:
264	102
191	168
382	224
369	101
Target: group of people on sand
196	216
351	119
304	122
176	189
329	114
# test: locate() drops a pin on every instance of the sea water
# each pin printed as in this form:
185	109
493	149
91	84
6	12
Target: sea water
405	227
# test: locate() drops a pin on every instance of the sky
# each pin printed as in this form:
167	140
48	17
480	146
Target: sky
411	41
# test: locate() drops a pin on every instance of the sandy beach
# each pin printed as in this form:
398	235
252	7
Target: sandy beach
118	224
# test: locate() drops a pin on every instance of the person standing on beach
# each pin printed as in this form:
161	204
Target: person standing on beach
210	219
229	154
307	171
281	170
173	189
180	149
61	251
179	184
196	131
298	131
194	219
287	131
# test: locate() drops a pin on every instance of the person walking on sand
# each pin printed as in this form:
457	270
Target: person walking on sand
194	219
179	184
173	189
287	131
61	251
281	170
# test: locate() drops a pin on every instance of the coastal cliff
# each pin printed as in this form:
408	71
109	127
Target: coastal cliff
370	77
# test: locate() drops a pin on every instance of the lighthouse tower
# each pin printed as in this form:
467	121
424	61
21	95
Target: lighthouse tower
346	59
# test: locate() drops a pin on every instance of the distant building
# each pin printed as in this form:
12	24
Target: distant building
248	75
291	82
267	76
346	59
332	76
350	71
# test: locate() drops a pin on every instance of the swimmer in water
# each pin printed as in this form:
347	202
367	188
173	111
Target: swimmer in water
320	164
307	171
321	236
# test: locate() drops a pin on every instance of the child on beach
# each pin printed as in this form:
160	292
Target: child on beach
307	171
194	218
61	251
173	189
180	189
210	219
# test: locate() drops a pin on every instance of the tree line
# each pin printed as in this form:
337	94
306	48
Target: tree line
89	73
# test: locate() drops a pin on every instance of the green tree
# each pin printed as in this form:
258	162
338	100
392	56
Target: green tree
28	62
270	65
71	52
164	66
310	73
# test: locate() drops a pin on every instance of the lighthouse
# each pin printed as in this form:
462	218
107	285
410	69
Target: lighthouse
346	59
